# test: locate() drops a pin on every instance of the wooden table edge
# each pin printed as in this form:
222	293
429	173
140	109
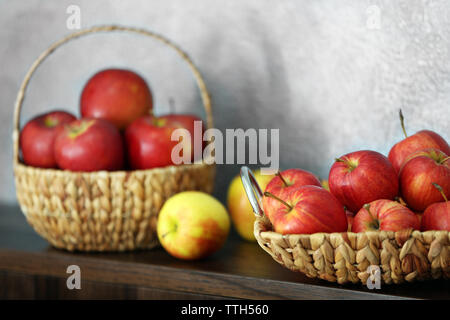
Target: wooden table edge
167	278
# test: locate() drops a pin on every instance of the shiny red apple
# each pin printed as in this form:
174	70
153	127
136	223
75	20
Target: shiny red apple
89	145
191	123
286	181
117	95
149	140
307	210
360	177
385	215
424	139
437	215
38	136
291	179
418	173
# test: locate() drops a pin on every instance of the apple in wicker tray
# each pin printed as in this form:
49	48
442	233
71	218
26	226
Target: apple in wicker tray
424	139
385	215
285	182
117	95
437	215
38	136
306	210
402	202
149	142
89	145
418	173
361	177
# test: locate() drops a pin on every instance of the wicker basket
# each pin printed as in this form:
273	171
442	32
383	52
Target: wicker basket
346	257
103	211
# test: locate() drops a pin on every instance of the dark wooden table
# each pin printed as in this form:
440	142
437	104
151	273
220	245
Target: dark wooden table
30	268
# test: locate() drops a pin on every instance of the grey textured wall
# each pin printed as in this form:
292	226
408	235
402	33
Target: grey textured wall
330	74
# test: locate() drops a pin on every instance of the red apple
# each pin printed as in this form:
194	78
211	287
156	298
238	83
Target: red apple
291	179
38	136
361	177
418	173
307	210
424	139
149	141
89	145
437	215
187	121
119	96
287	181
384	215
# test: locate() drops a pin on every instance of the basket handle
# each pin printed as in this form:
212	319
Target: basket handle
206	99
253	190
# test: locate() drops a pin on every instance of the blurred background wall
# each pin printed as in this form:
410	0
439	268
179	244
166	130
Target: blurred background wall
330	74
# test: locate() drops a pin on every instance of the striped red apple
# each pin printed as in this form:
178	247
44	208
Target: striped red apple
306	210
437	215
384	215
363	176
424	139
417	175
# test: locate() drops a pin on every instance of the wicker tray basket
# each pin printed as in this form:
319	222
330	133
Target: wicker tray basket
103	211
346	257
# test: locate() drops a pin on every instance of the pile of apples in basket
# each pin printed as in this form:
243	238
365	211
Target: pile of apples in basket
367	191
117	129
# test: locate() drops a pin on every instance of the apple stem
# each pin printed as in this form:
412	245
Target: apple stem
367	207
351	166
278	174
169	232
270	195
165	234
401	201
440	190
402	122
445	159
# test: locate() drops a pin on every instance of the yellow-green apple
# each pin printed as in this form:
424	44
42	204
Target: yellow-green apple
286	181
89	145
437	215
384	215
361	177
239	207
38	137
418	173
424	139
117	95
306	210
192	225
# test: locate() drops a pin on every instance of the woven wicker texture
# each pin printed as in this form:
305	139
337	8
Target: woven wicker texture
103	211
345	257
